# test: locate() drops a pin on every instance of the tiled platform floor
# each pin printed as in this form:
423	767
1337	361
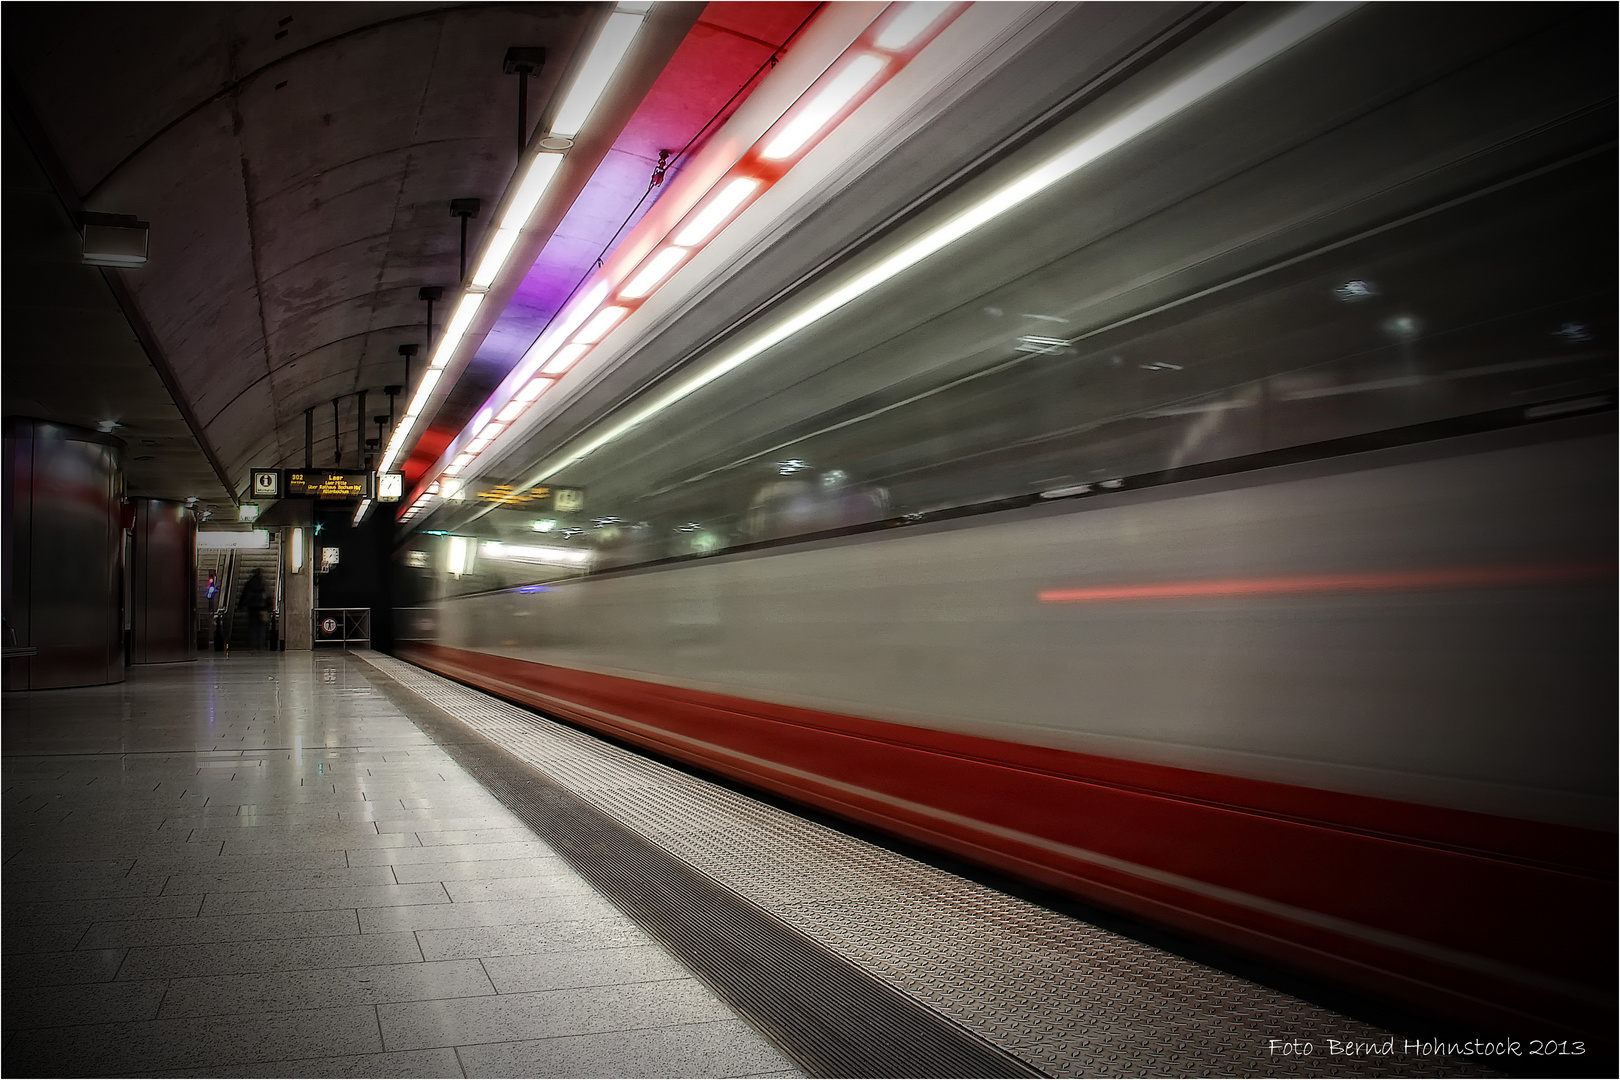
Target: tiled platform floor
259	867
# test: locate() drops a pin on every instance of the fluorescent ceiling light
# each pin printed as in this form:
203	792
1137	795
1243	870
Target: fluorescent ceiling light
611	45
456	327
535	388
430	379
597	328
489	268
565	358
513	410
656	270
360	512
825	105
547	343
909	25
1215	74
712	216
535	182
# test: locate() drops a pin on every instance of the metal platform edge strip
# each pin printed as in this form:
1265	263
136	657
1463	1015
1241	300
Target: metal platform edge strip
830	1016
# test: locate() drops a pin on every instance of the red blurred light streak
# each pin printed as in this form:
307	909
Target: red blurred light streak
1368	581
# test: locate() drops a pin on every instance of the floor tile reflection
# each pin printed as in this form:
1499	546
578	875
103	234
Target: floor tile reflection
257	866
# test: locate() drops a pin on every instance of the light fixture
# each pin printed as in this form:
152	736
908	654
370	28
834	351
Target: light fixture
456	328
1213	75
297	550
114	240
912	21
606	53
535	388
455	556
655	271
718	211
489	267
548	342
565	358
535	182
597	328
360	511
828	103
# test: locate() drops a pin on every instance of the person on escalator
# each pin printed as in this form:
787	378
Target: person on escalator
255	601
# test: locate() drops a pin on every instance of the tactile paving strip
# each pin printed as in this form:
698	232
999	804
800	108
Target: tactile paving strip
1066	997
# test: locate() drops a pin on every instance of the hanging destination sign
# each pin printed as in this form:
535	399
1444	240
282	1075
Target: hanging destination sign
334	484
563	500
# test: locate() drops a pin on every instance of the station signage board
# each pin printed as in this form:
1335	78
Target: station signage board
265	483
335	485
562	500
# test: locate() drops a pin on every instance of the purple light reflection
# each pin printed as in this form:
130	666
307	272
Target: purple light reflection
590	224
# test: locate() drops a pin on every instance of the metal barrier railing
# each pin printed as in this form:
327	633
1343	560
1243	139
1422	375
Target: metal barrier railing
342	626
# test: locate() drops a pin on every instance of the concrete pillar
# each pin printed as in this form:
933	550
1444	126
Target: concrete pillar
298	595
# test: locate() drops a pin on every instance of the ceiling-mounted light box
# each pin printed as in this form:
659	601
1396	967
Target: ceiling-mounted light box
114	239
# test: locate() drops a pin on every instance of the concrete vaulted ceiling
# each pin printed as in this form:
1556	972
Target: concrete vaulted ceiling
296	164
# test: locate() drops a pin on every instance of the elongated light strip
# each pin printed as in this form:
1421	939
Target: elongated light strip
611	45
717	211
862	69
543	349
565	357
912	23
606	54
489	267
597	328
532	391
657	269
1180	95
453	331
535	181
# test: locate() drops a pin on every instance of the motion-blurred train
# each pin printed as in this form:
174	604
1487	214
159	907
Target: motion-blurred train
1224	535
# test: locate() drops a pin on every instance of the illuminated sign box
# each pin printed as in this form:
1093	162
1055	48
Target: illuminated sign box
266	484
563	500
337	485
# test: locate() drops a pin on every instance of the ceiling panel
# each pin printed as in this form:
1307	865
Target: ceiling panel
296	164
